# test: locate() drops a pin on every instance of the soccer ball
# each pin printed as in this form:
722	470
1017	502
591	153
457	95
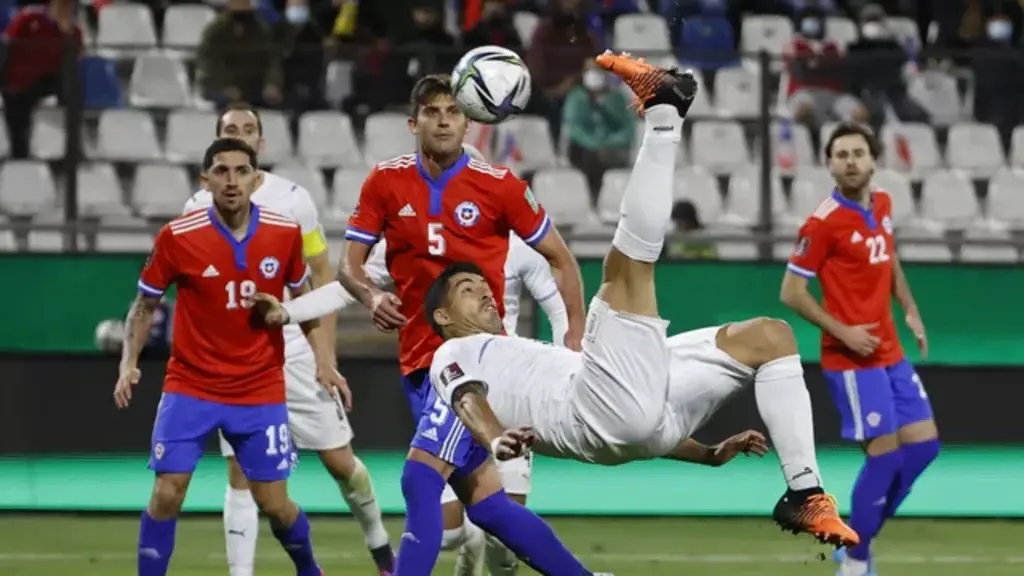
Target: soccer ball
109	334
491	83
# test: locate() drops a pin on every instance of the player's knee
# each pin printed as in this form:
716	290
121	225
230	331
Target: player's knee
758	341
358	480
236	478
168	494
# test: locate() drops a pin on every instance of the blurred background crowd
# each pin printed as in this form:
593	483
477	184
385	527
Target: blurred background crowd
116	100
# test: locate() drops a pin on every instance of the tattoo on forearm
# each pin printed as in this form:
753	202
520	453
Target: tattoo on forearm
137	327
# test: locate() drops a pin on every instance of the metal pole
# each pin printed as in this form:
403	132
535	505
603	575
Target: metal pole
764	134
71	86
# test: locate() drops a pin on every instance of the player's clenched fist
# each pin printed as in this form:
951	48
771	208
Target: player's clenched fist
513	443
128	377
269	308
386	316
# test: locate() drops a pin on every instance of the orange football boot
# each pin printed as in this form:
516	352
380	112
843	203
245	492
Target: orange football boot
814	512
651	85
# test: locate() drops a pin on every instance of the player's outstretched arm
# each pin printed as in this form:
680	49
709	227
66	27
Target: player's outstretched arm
567	269
136	334
543	284
471	406
749	442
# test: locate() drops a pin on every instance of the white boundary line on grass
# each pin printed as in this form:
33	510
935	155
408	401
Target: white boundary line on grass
42	557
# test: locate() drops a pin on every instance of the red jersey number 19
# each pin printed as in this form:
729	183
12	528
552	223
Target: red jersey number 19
876	250
240	294
435	240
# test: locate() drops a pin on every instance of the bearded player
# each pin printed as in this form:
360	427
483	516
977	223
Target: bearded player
225	373
848	244
315	419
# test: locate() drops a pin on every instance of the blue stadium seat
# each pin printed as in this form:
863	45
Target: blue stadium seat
708	43
8	8
712	7
100	84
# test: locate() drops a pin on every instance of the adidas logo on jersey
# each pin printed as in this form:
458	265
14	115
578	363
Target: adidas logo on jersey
284	465
430	434
210	272
407	211
856	237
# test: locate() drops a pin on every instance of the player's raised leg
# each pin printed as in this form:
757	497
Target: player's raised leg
262	442
768	347
180	431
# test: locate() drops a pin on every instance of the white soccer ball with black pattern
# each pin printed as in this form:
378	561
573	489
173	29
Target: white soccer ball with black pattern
491	83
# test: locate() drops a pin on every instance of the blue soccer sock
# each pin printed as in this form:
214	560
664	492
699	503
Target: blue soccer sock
916	459
526	534
156	544
421	542
869	501
295	541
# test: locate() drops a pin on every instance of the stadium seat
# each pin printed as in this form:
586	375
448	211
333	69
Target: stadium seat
125	29
5	142
338	82
99	191
1005	198
641	33
387	136
783	249
309	178
188	135
810	187
100	84
792	148
707	43
898	187
842	31
8	242
184	25
613	185
769	33
975	148
526	24
911	147
701	188
48	240
159	81
277	136
988	254
743	198
127	136
160	190
26	188
124	241
48	140
737	93
922	244
1017	148
736	250
948	198
564	194
326	139
905	31
524	143
347	185
938	93
721	147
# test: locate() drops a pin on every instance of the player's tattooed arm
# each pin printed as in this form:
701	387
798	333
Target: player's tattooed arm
471	406
137	327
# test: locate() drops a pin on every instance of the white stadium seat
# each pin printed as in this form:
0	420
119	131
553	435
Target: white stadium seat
842	31
919	244
976	148
387	136
125	30
99	191
700	187
1017	147
1006	197
49	140
743	199
26	188
920	144
326	139
184	25
641	33
530	138
938	93
347	185
189	133
792	153
721	147
897	185
770	33
988	254
277	137
160	190
159	81
127	135
526	24
810	187
8	241
737	93
309	178
563	193
948	197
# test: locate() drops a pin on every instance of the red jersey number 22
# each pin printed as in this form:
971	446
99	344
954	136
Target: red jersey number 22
435	241
876	249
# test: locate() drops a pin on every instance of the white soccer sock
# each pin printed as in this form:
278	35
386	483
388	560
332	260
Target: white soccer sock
358	493
852	567
785	408
241	528
646	208
500	560
469	559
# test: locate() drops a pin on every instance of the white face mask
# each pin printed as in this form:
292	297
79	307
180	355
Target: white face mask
810	27
593	80
874	30
999	29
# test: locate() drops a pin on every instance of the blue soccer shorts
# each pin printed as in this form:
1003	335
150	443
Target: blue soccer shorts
259	435
874	402
441	434
416	386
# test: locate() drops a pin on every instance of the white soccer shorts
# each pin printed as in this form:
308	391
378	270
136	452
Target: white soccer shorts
315	419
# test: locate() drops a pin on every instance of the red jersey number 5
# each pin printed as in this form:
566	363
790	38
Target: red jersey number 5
435	241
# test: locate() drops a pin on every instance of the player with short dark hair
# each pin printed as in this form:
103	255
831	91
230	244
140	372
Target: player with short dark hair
848	244
316	413
225	373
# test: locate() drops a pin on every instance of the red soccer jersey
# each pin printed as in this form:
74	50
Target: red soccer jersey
465	215
851	251
217	354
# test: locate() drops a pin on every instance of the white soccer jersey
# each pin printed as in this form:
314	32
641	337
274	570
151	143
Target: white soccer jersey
525	267
288	198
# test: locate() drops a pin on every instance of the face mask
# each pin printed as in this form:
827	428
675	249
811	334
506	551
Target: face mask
297	14
593	80
874	30
810	27
1000	30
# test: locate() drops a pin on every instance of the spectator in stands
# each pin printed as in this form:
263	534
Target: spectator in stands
600	126
560	42
37	40
687	221
238	59
494	27
301	40
423	48
815	70
998	67
879	68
